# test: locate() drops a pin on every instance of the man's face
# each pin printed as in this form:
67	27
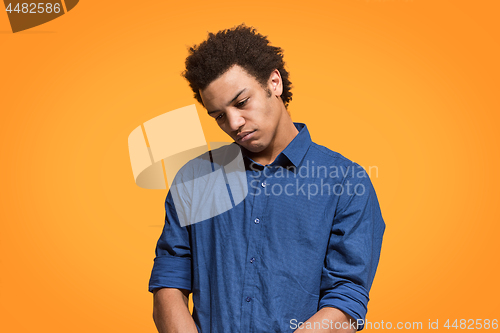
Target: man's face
244	109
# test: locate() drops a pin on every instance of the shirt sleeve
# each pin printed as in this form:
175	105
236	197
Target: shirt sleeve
172	264
354	247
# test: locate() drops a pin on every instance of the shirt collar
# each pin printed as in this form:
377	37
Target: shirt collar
296	149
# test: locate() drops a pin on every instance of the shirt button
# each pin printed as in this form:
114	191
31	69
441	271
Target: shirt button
248	299
252	260
263	184
256	221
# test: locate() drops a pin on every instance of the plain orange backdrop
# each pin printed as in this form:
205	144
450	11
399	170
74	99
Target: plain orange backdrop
411	87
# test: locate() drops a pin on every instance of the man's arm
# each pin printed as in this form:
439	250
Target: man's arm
170	280
328	320
354	248
171	311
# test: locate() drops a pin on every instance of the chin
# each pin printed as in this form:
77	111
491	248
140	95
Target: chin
255	149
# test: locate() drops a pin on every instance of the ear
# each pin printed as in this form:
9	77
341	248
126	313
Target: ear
275	83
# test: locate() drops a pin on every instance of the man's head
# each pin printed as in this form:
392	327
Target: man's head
241	81
241	46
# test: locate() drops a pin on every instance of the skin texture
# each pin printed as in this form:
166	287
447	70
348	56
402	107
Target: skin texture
240	104
329	316
171	313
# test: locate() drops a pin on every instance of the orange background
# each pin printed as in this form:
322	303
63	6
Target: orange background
410	87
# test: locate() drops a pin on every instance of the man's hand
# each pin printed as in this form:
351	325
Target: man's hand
328	320
171	311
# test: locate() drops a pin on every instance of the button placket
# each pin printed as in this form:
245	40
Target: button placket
251	273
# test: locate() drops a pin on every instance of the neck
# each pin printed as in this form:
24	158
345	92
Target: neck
285	133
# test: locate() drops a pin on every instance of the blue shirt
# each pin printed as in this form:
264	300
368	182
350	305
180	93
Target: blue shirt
307	235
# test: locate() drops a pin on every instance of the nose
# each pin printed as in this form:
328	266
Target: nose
236	120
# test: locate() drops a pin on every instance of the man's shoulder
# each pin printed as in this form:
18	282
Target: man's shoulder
338	165
331	157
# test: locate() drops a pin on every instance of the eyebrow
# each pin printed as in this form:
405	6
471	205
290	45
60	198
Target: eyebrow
231	101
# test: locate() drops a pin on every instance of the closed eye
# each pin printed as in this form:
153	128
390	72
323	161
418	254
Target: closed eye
242	103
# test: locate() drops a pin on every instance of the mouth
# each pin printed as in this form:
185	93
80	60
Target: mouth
244	136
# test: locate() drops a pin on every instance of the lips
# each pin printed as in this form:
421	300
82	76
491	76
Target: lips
243	136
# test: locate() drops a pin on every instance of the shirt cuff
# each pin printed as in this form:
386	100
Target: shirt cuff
171	272
349	298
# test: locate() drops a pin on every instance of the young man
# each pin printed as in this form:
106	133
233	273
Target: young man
300	252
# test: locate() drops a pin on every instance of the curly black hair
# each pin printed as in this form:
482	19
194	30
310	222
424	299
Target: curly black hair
241	45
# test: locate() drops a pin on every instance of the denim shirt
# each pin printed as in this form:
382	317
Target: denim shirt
306	235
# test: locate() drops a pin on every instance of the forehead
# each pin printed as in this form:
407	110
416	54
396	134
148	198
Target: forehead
225	87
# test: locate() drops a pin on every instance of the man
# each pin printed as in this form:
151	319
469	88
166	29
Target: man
287	258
